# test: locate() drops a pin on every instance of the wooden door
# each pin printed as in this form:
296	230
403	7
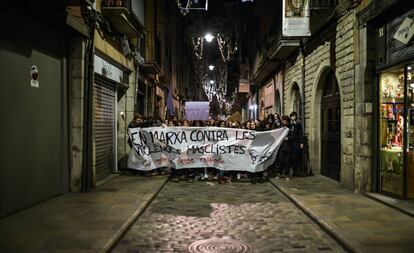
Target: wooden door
331	130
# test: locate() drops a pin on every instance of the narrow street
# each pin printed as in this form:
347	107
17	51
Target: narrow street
237	217
207	126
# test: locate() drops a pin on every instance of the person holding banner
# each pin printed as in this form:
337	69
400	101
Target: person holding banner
220	177
278	121
254	177
272	123
285	150
137	121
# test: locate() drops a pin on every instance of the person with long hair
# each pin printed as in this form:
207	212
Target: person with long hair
270	122
278	121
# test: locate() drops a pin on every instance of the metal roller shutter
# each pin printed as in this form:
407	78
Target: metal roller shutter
104	126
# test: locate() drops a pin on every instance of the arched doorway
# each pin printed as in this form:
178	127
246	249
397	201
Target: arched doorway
296	100
331	128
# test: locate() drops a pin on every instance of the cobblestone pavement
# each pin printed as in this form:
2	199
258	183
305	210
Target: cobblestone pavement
257	215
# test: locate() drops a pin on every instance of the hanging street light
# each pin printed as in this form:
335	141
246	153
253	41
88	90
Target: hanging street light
211	67
209	38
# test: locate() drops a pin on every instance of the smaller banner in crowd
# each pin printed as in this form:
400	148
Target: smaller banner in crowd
199	147
197	110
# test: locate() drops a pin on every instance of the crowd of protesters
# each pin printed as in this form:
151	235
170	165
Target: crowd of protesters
287	164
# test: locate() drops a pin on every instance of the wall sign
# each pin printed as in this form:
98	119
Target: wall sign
34	73
405	32
108	70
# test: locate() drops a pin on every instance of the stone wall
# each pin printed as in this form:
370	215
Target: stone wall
292	75
76	98
316	63
346	77
364	81
126	106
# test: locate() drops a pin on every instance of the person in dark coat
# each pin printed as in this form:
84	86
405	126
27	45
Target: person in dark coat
297	141
285	150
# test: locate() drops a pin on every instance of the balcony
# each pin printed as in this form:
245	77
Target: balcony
151	68
275	51
321	11
153	52
78	2
278	47
126	16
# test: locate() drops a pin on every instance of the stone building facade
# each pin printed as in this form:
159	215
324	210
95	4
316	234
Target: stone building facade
305	68
332	52
333	79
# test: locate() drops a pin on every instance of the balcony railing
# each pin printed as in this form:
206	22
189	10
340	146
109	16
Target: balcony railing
153	54
321	10
273	51
126	16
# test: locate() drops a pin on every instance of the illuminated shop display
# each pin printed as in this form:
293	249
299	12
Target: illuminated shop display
396	127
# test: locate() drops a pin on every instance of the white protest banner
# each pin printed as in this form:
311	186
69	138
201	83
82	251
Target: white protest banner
199	147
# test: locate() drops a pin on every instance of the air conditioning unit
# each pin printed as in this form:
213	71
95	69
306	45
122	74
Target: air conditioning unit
138	58
126	50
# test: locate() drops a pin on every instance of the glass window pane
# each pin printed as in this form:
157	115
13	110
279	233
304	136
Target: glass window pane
410	132
391	88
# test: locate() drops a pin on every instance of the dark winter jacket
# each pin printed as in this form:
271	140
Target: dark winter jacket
297	135
286	145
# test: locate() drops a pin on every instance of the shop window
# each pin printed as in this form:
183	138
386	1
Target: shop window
393	106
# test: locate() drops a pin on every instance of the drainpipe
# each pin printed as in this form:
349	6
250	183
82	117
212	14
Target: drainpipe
136	81
86	183
282	103
256	109
302	67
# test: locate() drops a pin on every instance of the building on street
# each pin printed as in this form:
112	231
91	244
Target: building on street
335	79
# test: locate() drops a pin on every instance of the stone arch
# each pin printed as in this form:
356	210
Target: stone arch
314	124
294	87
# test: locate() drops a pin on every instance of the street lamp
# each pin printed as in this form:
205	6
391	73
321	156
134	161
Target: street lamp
209	38
212	81
211	67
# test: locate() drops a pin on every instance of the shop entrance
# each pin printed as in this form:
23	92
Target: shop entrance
104	126
331	128
396	135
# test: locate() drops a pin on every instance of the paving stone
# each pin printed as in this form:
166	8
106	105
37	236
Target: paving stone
256	214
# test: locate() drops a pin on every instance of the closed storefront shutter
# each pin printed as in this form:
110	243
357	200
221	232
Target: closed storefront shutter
104	126
33	157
